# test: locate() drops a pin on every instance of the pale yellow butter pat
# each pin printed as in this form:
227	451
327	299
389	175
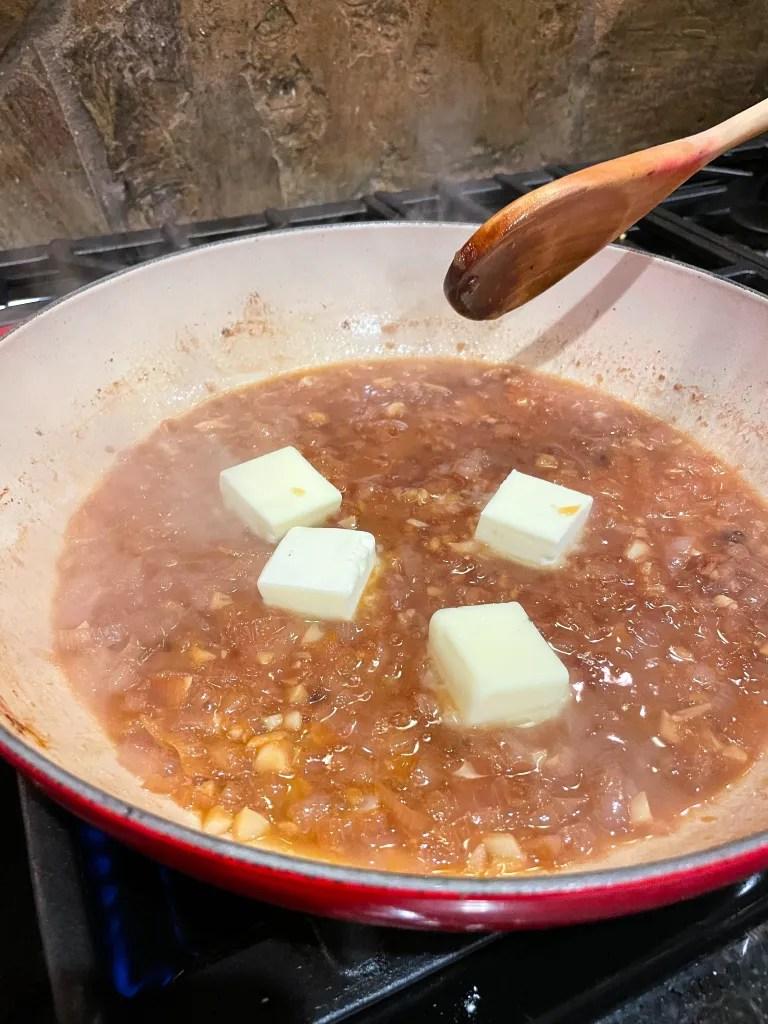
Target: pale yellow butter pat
278	491
319	573
533	521
498	669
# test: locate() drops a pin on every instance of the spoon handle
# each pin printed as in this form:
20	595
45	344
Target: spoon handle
735	130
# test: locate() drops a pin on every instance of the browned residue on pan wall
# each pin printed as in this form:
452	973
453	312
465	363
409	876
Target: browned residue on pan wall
23	729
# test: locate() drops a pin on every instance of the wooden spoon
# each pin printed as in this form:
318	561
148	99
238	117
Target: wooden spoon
535	241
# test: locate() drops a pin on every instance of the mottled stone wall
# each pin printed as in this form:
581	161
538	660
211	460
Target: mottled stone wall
121	113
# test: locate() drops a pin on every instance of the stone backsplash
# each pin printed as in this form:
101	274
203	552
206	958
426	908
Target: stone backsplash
126	113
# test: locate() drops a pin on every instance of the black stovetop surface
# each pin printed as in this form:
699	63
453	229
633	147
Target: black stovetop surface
117	938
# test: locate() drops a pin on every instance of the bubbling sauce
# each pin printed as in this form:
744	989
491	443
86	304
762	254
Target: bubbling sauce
333	734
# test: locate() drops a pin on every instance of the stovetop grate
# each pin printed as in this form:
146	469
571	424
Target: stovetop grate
717	221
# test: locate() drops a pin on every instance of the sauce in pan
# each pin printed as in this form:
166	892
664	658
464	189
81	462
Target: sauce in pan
332	734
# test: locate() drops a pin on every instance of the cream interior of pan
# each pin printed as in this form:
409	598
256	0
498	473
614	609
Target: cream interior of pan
101	369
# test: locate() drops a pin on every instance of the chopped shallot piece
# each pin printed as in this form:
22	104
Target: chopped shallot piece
348	523
735	753
292	720
418	494
298	694
471	465
272	722
412	821
217	821
477	862
219	423
395	410
274	757
464	547
249	824
547	848
640	809
467	771
219	600
504	847
680	654
638	550
256	742
204	796
313	633
73	640
668	729
692	712
317	418
265	657
170	689
723	601
418	523
546	461
200	656
363	802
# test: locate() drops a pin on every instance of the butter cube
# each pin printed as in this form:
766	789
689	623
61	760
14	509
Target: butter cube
277	491
319	573
533	521
498	669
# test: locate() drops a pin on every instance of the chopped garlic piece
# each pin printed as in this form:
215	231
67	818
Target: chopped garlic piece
297	694
638	550
217	821
292	720
314	633
503	846
275	756
249	824
640	810
200	656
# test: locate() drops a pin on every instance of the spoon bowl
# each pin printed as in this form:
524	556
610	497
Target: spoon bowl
524	249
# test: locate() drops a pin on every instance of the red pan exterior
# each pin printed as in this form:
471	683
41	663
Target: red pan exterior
410	902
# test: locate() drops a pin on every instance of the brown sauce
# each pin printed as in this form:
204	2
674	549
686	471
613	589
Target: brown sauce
333	733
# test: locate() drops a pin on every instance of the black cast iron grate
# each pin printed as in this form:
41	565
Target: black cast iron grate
718	221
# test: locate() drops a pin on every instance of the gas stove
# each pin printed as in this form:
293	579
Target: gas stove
117	938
